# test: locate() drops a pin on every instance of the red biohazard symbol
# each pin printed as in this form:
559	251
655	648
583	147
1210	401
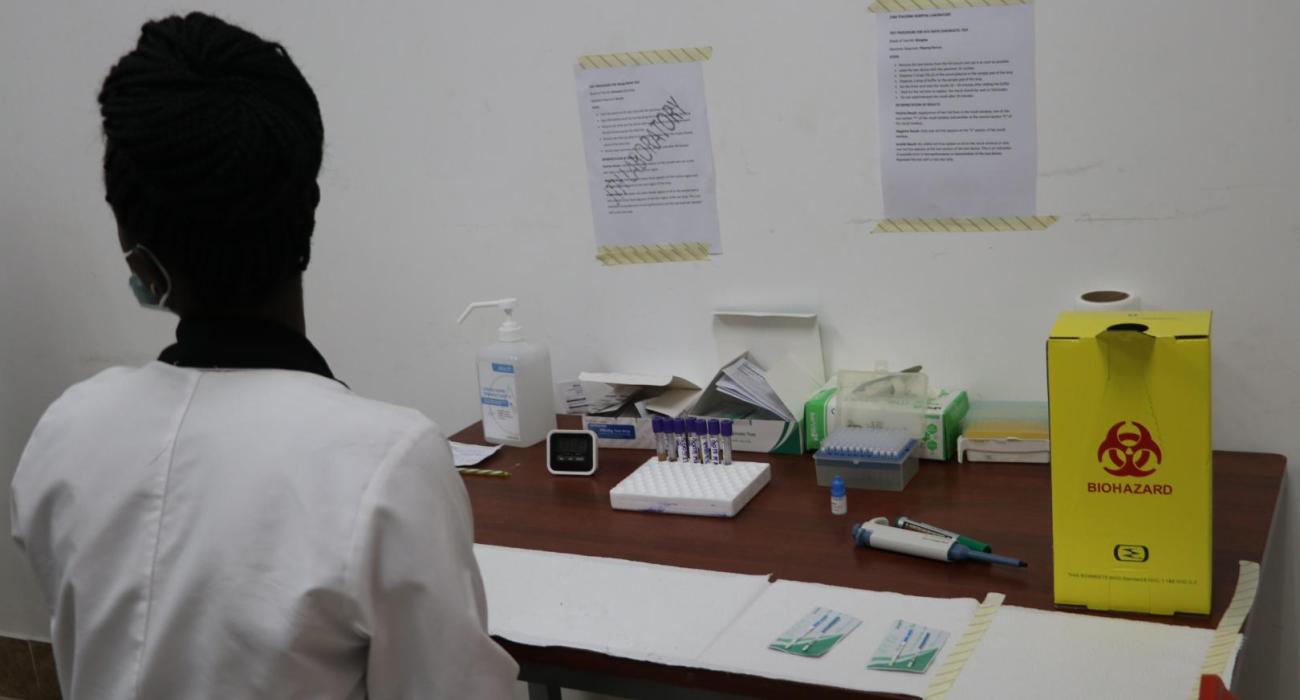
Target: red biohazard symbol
1129	452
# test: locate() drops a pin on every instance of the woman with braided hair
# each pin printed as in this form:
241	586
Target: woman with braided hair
230	521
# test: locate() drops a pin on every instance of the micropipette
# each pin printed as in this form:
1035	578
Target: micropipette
879	534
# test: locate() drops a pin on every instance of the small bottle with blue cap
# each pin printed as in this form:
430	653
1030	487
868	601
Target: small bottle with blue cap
839	499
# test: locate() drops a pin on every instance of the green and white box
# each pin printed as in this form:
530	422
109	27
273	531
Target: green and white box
940	429
943	416
820	415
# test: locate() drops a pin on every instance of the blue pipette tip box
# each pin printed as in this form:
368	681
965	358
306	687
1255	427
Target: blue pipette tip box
889	470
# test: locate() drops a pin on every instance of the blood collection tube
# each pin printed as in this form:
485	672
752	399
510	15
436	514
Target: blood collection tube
715	439
679	440
661	444
725	429
693	428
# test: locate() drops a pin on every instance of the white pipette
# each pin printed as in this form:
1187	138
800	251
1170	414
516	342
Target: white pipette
879	534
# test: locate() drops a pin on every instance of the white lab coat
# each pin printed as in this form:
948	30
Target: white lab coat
251	534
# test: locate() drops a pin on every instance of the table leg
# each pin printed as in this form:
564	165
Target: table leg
544	691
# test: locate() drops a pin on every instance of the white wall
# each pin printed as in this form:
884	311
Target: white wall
454	171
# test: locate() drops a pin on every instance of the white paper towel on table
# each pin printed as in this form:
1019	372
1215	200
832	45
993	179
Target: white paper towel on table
720	621
1043	654
742	648
623	608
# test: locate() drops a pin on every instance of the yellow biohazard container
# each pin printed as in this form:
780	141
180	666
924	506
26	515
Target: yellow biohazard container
1132	465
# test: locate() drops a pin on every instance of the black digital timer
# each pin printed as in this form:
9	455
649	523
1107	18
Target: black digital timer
571	452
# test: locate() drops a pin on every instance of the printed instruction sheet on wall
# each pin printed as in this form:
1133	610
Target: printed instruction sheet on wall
958	134
649	157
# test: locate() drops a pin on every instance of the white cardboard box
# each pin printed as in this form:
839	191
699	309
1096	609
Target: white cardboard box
630	426
786	345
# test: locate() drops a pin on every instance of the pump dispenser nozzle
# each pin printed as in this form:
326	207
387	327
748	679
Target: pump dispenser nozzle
508	331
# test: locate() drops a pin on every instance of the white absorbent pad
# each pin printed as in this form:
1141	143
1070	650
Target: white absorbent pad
720	621
623	608
1029	653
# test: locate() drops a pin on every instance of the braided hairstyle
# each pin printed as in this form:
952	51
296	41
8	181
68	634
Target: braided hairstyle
213	144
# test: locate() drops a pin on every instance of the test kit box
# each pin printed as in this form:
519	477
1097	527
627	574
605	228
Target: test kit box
620	407
1132	462
821	415
942	425
788	349
754	428
943	415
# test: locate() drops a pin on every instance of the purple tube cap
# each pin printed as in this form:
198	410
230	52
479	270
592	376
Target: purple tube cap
726	428
679	425
714	426
657	424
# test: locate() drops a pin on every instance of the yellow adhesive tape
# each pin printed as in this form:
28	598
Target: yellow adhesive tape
1225	635
645	58
980	225
470	471
980	622
653	253
914	5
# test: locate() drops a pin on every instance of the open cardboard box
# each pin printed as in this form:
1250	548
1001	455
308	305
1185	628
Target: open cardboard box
787	346
646	395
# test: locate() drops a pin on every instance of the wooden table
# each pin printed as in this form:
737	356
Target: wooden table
788	531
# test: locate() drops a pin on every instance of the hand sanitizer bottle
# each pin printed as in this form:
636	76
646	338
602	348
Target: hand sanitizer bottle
514	382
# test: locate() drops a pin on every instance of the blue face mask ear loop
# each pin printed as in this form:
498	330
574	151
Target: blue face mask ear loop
153	301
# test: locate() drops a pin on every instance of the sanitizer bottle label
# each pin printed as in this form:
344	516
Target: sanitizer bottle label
496	382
